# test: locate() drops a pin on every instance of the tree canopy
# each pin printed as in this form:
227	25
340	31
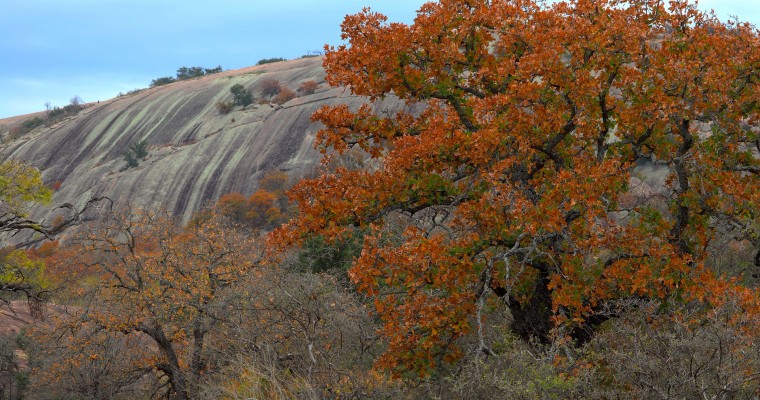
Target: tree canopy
170	286
21	186
516	179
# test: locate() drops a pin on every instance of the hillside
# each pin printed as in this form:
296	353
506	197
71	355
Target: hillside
196	153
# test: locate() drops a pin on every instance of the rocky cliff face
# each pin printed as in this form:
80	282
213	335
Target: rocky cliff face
196	154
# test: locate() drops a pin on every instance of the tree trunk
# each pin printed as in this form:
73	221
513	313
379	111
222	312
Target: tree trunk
532	321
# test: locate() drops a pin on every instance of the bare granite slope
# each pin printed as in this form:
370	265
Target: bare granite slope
196	154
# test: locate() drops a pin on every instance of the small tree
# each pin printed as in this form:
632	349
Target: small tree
169	285
242	96
76	101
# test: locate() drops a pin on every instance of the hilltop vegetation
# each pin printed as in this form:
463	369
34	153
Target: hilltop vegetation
184	73
495	242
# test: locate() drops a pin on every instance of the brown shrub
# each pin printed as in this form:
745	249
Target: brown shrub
691	354
224	107
308	87
270	87
286	94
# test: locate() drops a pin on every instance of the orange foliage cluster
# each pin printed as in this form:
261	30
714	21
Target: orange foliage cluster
160	284
510	180
267	207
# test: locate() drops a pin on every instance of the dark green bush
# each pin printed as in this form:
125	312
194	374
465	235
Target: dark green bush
32	123
162	81
136	152
55	112
270	60
140	149
210	71
131	160
189	72
241	95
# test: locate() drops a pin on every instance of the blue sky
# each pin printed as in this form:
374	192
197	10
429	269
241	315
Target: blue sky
52	50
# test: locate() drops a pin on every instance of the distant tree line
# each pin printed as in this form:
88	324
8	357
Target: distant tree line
184	73
270	60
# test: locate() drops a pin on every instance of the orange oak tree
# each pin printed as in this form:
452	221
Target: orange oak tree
516	179
169	286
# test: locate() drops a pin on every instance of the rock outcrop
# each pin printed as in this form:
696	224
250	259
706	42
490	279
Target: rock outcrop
196	154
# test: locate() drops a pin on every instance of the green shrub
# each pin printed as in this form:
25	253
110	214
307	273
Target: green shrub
317	255
131	160
55	112
241	95
140	149
32	123
136	152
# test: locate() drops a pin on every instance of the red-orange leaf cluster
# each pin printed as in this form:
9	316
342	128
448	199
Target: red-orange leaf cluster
517	176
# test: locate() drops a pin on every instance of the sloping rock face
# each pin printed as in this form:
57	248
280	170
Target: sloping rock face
196	154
